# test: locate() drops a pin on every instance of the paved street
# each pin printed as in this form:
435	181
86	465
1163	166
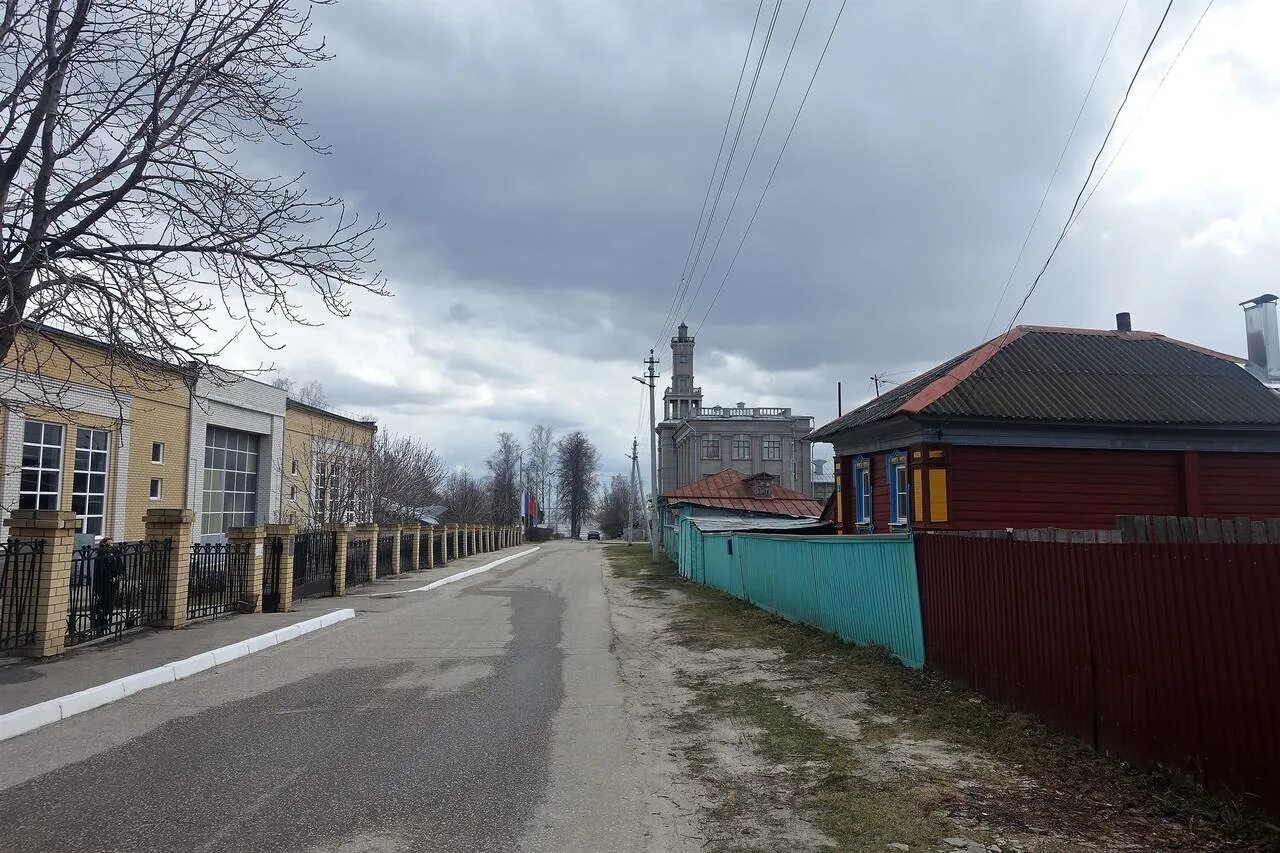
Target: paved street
486	715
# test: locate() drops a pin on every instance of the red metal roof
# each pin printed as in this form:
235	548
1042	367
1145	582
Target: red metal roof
730	490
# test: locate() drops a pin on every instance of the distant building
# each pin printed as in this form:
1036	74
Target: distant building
695	441
824	481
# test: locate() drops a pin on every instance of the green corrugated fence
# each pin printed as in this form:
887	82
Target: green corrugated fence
862	589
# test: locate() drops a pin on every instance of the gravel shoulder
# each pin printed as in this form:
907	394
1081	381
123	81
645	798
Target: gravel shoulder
776	736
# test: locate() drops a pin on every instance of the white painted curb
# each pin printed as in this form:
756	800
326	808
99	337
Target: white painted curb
42	714
459	576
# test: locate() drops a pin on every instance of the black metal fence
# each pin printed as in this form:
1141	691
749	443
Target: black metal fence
116	588
19	563
406	552
357	562
315	563
219	575
272	573
386	551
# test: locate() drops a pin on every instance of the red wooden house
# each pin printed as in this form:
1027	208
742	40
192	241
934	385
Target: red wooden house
1048	427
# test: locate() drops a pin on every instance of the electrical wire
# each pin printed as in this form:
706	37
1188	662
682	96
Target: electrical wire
728	120
776	162
1137	121
1092	166
742	119
743	180
1056	167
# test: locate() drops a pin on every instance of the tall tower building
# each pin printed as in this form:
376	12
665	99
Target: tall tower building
681	399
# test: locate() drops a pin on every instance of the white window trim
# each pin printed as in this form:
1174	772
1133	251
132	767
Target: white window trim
155	494
62	460
898	467
154	460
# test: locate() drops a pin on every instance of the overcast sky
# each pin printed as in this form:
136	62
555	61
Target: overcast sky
541	165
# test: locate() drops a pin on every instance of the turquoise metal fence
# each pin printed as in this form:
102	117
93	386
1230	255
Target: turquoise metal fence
863	589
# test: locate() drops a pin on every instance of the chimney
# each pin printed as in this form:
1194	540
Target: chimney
1123	322
1262	337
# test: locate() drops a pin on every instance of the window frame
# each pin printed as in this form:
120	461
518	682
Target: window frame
765	443
899	481
40	470
154	446
710	443
739	441
155	489
81	496
862	490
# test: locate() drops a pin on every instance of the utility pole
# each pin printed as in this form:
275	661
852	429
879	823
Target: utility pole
649	380
631	495
879	379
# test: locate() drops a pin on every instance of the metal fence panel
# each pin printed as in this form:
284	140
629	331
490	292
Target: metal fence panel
357	562
406	552
386	551
314	563
116	588
1161	654
218	571
19	564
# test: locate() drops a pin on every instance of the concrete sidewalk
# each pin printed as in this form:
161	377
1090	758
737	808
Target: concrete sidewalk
25	682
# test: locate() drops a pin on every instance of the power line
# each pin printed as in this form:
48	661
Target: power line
776	162
1092	166
724	175
1057	166
714	170
1137	121
743	180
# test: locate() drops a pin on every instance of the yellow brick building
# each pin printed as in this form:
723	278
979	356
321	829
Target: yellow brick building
327	466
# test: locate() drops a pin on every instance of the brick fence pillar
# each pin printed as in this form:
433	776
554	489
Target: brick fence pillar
52	588
286	534
370	532
414	532
488	538
429	558
174	525
248	587
341	534
394	530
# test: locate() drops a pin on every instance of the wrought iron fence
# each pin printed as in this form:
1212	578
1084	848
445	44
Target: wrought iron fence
357	562
219	578
406	552
272	569
116	587
314	563
386	550
19	563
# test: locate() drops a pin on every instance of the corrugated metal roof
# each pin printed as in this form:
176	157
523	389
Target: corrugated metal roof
1081	376
729	490
746	524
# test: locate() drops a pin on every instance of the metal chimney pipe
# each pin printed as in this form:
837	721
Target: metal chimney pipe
1123	322
1262	336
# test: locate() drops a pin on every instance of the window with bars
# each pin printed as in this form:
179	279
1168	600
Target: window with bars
711	447
772	448
40	481
741	448
89	481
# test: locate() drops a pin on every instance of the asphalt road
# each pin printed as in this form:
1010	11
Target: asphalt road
486	715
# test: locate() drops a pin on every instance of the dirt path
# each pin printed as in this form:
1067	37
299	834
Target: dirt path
780	738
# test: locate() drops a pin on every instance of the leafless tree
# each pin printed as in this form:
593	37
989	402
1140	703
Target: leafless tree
124	212
577	461
312	393
504	480
407	477
465	498
537	464
329	475
616	506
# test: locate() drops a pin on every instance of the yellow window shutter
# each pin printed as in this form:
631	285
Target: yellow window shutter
918	497
937	494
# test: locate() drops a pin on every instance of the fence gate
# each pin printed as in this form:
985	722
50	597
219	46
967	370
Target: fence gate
314	563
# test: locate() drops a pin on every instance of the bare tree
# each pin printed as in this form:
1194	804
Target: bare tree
504	480
465	497
407	477
616	506
537	465
124	213
330	475
312	393
577	461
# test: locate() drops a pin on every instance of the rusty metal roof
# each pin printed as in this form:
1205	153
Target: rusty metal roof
1044	374
729	490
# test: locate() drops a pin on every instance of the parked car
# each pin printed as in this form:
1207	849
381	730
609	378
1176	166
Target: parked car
593	534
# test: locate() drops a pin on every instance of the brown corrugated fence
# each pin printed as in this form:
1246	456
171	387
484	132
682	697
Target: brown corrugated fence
1158	654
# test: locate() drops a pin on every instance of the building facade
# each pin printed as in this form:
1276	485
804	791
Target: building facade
695	441
328	466
84	432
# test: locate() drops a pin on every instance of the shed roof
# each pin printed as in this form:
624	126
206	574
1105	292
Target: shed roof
730	489
1040	373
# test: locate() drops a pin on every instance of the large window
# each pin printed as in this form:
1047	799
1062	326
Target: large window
230	480
741	447
899	490
89	481
711	447
41	477
862	491
772	448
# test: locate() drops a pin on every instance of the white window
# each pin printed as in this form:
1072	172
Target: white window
89	481
293	493
157	452
862	490
772	448
741	447
41	479
293	468
157	489
230	480
899	490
